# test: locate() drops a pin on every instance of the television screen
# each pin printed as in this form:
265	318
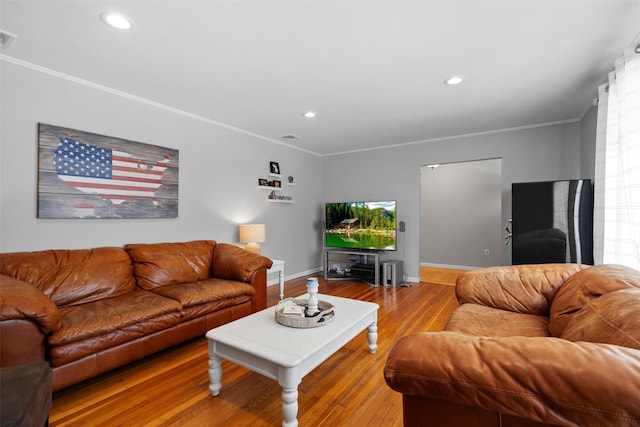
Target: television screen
361	225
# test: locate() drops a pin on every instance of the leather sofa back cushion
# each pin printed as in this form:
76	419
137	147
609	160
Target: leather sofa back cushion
160	264
609	319
585	286
528	289
71	277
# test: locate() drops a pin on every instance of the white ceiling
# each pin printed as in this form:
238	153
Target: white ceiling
372	70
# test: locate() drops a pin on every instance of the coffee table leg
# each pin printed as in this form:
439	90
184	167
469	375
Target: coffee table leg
281	282
372	335
215	374
289	378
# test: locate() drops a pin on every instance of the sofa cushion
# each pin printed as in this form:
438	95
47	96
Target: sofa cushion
70	277
98	318
585	286
610	319
519	288
104	350
479	320
205	291
162	264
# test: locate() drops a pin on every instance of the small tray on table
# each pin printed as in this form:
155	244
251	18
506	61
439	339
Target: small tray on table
292	312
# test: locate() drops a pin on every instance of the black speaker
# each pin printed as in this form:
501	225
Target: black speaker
401	226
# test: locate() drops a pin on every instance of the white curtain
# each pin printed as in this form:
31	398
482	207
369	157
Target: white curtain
617	171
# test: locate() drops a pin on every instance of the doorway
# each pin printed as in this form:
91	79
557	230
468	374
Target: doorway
461	214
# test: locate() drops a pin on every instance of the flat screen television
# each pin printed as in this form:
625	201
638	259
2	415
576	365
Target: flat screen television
361	225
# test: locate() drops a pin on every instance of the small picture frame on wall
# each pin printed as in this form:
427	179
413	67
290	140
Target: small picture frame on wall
263	182
274	167
277	183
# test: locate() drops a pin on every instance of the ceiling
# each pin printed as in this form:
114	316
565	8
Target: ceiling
373	71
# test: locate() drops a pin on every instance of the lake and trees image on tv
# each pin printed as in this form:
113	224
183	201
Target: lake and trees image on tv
361	225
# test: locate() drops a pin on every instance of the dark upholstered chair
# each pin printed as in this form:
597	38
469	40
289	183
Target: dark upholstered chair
25	395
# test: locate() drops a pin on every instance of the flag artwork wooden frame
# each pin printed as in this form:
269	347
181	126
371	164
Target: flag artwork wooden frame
86	175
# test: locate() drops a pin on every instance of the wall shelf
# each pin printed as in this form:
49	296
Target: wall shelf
273	197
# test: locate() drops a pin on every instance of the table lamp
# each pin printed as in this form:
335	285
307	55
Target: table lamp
252	234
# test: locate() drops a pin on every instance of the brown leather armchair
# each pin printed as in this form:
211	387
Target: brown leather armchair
534	345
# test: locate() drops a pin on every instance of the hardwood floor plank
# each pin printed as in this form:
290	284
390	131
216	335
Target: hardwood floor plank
445	276
171	388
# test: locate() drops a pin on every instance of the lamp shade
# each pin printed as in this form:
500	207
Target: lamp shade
252	234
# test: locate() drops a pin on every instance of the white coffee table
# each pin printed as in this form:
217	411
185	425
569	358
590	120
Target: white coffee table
286	354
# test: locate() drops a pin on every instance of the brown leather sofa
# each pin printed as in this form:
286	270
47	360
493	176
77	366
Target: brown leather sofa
530	345
88	311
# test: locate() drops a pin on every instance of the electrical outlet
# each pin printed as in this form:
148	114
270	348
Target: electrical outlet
486	251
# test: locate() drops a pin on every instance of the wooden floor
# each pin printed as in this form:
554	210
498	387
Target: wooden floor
443	276
348	389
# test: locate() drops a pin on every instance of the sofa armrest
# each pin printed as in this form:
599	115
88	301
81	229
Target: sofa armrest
19	300
549	380
21	341
233	263
526	289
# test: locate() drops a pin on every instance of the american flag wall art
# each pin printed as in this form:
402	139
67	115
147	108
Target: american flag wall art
85	175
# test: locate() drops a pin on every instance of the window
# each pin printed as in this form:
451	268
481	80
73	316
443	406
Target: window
617	172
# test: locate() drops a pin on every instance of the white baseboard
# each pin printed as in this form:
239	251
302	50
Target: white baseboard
454	267
275	281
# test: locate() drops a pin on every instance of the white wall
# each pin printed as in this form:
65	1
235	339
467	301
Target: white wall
461	214
530	154
219	169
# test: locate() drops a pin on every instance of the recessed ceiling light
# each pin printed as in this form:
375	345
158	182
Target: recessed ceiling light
310	114
454	80
116	20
